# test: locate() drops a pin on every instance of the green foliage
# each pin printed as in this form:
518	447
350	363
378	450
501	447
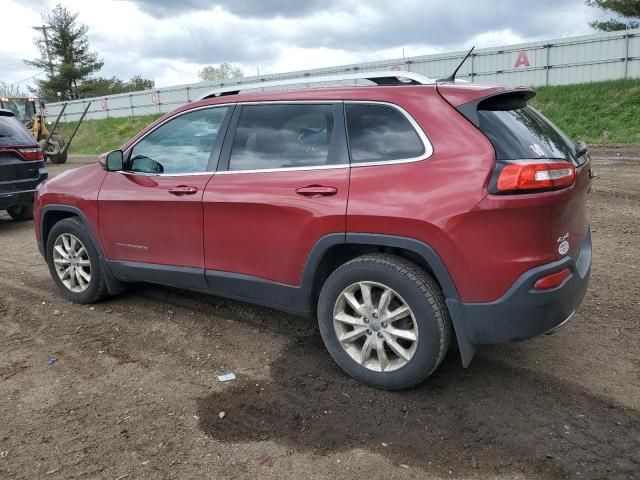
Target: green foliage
100	87
598	113
64	55
225	71
99	136
627	14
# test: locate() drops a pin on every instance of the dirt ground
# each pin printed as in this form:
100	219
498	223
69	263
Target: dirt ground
132	389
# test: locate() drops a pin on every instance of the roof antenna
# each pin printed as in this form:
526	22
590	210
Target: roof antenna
452	77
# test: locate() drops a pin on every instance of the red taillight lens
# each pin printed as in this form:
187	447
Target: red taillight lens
552	281
30	154
533	175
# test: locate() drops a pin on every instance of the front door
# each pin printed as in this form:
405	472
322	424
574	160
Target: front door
151	212
282	185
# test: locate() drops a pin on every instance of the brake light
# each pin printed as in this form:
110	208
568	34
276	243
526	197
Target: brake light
552	281
31	154
518	176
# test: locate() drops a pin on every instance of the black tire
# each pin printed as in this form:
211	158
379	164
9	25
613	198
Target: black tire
21	212
97	288
418	290
58	140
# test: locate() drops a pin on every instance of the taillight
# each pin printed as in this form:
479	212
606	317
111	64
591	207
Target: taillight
534	175
552	281
30	154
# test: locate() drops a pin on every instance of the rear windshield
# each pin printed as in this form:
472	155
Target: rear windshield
524	133
13	132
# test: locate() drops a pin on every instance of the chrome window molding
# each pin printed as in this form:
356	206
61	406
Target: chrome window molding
428	147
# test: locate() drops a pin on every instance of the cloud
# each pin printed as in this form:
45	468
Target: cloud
170	41
241	8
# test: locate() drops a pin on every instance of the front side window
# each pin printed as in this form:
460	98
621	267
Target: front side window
282	136
182	145
380	133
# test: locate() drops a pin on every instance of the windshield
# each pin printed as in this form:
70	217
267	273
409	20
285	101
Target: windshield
22	108
524	133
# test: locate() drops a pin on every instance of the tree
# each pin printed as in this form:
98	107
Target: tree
100	87
627	14
11	90
225	71
64	55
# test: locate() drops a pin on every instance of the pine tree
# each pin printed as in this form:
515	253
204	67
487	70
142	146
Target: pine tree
64	56
627	14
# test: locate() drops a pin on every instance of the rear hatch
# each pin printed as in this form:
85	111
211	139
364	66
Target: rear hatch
521	136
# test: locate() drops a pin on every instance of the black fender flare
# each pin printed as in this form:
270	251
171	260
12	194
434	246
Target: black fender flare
302	298
114	286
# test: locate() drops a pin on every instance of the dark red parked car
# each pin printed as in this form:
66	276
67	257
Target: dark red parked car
398	214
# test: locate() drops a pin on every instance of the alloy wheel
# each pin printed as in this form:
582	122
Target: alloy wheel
375	326
72	263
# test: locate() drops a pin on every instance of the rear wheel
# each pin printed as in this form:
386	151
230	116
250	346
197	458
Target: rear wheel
21	212
384	321
74	262
54	149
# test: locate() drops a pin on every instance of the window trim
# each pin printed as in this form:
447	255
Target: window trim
214	156
339	129
426	143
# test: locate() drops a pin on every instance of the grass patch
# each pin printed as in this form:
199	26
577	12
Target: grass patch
98	136
598	113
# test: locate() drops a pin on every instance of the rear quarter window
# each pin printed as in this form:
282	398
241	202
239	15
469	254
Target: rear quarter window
13	132
381	133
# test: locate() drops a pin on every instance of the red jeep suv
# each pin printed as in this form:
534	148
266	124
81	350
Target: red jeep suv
400	214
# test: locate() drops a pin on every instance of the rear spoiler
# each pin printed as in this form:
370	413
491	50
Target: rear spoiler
487	98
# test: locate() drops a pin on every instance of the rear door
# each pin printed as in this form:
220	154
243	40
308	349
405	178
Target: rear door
282	185
151	212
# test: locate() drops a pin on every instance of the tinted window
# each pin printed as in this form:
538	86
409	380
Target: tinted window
13	132
182	145
380	132
523	133
282	136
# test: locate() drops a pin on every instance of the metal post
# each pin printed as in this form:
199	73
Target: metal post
131	103
66	147
188	99
546	82
472	72
626	54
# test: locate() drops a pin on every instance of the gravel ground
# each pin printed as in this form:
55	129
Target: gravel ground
132	390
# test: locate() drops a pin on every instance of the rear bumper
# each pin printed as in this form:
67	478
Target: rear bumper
20	192
523	312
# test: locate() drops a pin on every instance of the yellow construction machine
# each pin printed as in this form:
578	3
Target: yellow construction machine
53	144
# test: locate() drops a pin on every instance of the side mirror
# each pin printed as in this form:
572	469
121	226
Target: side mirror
115	161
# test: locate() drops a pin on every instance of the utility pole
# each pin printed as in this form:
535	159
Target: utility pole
46	43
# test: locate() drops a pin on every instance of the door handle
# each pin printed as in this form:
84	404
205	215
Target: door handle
314	191
183	190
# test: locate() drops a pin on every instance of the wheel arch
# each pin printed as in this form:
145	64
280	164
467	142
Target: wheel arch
52	214
334	250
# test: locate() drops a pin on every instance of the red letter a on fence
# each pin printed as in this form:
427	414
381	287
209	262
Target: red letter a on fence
522	59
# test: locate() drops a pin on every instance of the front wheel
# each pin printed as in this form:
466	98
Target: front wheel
74	262
384	321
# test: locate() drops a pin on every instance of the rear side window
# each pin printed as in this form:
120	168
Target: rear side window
282	136
523	133
380	133
13	132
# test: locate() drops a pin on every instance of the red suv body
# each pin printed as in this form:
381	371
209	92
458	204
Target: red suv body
331	202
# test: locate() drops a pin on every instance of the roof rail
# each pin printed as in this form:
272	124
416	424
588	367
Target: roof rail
383	77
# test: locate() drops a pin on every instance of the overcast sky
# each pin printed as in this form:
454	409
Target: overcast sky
170	40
